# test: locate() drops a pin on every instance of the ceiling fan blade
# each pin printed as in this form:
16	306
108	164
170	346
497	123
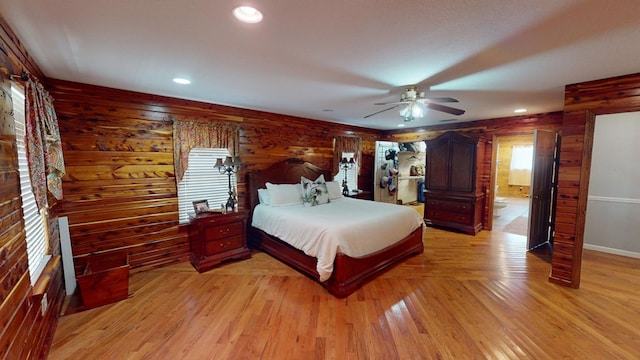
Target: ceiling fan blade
391	102
446	109
378	112
441	99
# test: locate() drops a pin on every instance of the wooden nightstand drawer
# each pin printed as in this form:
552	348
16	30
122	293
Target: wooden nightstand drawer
223	231
216	219
220	246
215	238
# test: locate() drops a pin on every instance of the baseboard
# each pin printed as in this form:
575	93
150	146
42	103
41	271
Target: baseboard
612	251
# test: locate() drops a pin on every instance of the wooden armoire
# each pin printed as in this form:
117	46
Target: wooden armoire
453	195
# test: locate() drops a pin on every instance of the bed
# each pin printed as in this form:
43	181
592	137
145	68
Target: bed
348	273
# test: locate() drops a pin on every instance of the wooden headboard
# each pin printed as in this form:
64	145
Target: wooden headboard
285	172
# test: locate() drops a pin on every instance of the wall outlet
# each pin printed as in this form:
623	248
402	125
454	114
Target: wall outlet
44	305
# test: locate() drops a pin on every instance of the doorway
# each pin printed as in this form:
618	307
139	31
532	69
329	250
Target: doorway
513	162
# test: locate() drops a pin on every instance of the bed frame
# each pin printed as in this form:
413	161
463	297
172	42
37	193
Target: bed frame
349	274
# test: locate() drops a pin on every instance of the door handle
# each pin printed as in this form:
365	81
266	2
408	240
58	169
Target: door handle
536	197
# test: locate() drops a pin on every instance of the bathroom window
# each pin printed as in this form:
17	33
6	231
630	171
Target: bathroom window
521	163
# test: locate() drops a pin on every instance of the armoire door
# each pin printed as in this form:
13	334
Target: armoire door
437	164
463	168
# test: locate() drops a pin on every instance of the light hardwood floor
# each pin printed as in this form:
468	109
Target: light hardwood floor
466	297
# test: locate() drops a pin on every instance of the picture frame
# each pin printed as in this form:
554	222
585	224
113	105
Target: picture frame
201	206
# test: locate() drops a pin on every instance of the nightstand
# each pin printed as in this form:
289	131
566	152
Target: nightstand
217	237
364	195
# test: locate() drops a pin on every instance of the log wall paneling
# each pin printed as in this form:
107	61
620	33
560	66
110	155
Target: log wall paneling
25	331
120	190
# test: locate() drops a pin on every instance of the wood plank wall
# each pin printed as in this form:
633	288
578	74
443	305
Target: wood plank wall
487	129
582	103
120	190
25	332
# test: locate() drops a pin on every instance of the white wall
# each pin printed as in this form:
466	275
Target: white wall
613	207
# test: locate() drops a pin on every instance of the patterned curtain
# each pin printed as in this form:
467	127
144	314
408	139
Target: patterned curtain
6	105
346	144
188	134
44	147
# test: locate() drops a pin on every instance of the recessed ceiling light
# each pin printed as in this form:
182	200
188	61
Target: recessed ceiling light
522	110
247	14
400	125
181	81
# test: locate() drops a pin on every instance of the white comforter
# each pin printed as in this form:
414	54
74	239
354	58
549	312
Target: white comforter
351	226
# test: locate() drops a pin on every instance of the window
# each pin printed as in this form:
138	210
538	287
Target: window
34	220
352	174
202	181
521	162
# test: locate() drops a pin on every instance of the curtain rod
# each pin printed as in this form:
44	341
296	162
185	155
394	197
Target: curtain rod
24	76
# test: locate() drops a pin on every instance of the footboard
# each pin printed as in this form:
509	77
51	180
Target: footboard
349	274
355	272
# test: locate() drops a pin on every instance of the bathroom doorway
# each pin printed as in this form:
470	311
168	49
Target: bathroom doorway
513	164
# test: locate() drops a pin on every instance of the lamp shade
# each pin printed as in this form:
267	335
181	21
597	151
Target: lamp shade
219	163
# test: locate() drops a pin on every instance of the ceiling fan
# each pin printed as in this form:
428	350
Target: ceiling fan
413	103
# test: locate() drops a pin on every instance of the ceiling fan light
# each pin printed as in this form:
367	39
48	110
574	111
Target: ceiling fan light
416	111
404	111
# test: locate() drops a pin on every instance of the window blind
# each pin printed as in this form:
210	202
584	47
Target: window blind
33	219
202	181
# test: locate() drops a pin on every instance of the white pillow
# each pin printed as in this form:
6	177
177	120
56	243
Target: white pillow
335	191
284	194
263	196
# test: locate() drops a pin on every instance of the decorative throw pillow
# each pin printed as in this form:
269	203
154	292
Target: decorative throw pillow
335	190
314	192
284	194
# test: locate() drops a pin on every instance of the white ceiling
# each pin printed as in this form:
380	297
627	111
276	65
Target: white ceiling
333	59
